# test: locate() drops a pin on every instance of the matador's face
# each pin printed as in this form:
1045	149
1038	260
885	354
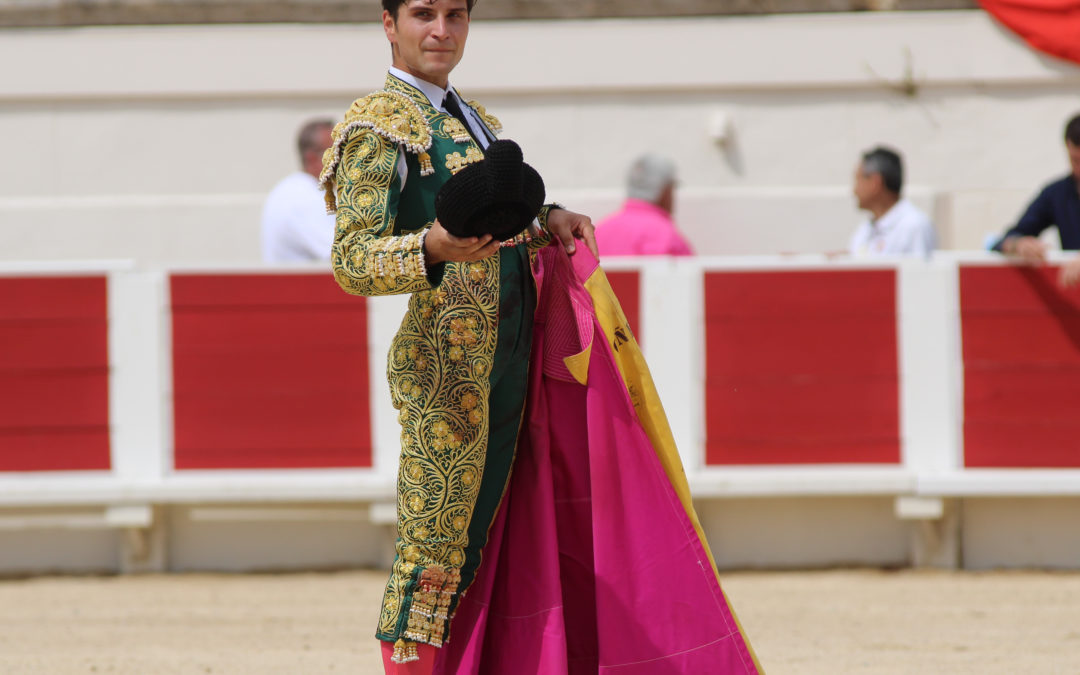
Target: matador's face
428	37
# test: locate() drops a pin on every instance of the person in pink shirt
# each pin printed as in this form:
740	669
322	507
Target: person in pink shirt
644	226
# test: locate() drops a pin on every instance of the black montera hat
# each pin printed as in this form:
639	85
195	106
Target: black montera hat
499	195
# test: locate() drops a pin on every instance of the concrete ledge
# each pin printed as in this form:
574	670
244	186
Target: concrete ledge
358	485
196	487
801	481
53	13
111	517
1003	483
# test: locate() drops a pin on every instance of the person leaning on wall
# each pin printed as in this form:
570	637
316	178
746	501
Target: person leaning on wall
1057	204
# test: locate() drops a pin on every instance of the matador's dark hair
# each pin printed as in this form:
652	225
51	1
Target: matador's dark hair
393	6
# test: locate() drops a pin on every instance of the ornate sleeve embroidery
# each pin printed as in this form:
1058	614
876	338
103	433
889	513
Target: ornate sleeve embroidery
367	259
544	238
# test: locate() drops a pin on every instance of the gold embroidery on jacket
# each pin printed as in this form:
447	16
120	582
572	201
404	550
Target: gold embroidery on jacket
453	129
366	259
437	368
389	114
490	120
430	608
455	162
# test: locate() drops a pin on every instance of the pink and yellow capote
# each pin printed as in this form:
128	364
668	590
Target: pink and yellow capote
596	561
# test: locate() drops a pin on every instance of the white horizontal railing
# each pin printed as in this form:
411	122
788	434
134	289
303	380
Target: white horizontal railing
930	398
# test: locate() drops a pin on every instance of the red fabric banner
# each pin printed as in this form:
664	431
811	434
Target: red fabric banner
1051	26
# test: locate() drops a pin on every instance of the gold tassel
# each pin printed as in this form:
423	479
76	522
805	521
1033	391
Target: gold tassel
331	198
426	169
404	652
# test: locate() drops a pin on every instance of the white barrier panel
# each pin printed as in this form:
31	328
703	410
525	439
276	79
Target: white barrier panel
798	389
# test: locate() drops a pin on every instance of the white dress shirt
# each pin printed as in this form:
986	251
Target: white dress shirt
436	95
295	224
902	230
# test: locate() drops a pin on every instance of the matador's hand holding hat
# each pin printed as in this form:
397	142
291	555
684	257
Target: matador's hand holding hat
499	195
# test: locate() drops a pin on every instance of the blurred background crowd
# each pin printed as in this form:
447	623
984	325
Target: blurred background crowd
155	131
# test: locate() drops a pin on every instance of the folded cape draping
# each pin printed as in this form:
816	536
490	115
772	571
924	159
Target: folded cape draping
1051	26
596	561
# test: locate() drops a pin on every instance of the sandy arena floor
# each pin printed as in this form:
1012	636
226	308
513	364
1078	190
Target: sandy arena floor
800	622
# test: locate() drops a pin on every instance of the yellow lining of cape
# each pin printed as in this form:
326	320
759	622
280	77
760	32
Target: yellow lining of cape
578	365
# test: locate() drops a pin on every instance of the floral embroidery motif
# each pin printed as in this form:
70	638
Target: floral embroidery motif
367	259
388	114
455	162
477	272
438	371
455	130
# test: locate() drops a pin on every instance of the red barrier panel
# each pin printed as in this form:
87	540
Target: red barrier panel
1021	336
54	374
627	287
269	371
801	367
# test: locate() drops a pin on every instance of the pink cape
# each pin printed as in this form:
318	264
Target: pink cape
594	562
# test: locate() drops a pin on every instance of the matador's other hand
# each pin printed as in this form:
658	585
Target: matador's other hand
441	246
568	226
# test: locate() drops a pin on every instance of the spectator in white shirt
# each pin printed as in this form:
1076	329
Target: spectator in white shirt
895	226
295	224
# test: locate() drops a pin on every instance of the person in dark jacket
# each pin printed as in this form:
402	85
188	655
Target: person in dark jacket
1058	204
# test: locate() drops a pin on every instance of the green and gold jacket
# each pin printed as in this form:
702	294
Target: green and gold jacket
442	355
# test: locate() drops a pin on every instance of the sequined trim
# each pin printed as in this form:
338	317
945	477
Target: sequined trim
397	256
390	114
404	652
430	606
456	131
517	241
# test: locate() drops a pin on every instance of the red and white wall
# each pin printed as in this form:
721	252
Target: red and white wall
827	412
765	115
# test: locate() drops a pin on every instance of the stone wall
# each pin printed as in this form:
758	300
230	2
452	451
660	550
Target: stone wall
159	143
55	13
